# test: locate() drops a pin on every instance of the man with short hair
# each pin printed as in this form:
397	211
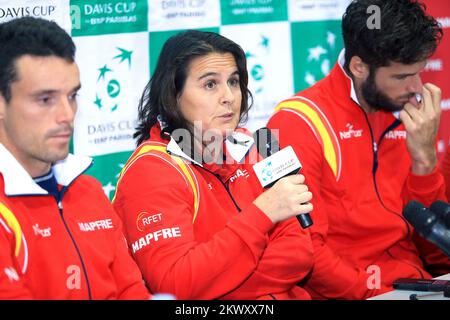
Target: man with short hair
366	136
59	236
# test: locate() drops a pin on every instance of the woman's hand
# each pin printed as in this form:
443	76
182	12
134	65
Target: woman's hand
288	197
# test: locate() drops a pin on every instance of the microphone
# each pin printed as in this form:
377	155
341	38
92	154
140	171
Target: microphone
428	225
276	164
442	210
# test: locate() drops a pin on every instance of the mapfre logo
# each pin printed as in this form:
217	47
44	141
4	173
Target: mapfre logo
350	133
396	135
445	22
239	173
96	225
445	104
434	65
145	220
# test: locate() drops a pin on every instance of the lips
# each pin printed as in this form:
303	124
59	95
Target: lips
227	115
64	135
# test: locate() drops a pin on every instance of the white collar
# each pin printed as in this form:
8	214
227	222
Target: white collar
237	148
341	62
239	145
19	182
174	148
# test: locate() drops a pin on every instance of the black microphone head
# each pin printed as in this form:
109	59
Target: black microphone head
266	142
421	218
441	208
447	292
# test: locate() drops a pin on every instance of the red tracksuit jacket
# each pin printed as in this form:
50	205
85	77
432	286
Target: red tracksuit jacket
195	232
445	168
72	251
358	169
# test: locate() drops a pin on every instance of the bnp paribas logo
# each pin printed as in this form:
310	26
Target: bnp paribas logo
109	88
255	58
318	58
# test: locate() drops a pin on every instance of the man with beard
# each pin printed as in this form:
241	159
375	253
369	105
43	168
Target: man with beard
366	136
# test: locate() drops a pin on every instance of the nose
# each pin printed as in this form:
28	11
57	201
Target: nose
415	84
66	111
227	97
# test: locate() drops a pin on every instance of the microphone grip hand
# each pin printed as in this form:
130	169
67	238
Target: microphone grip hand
288	197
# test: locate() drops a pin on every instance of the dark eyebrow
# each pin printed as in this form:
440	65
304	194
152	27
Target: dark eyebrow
50	91
77	88
403	75
207	75
43	92
214	74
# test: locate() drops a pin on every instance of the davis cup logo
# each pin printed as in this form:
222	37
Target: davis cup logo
320	55
107	96
267	174
255	58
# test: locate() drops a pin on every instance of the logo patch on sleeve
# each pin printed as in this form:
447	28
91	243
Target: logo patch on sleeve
155	237
146	220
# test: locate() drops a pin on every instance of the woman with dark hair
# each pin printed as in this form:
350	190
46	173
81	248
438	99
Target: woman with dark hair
195	216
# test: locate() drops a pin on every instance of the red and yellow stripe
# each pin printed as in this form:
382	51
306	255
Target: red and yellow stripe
12	223
149	149
322	130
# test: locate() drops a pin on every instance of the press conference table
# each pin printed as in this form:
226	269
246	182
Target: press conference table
405	295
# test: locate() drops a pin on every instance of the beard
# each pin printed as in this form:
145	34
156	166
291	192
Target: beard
376	98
